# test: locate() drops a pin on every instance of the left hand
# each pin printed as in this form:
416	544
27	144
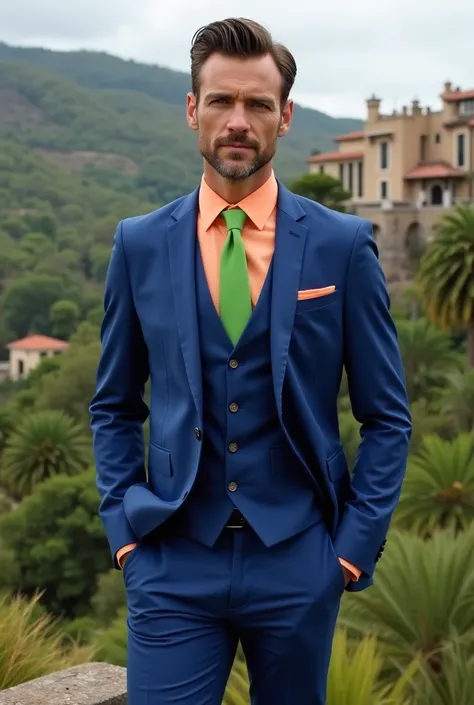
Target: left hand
347	575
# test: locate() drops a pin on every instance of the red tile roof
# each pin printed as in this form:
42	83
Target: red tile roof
454	96
434	170
334	157
38	343
350	136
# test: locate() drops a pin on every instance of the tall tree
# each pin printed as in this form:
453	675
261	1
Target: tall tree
446	274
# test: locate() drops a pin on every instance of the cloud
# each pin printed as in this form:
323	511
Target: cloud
345	50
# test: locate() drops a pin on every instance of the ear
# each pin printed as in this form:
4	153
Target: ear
286	118
191	111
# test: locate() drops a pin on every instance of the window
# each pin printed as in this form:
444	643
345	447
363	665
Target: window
341	173
466	107
438	138
21	368
360	175
321	169
422	148
461	150
383	190
351	176
384	155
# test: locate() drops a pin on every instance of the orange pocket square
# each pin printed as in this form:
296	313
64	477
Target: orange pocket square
315	293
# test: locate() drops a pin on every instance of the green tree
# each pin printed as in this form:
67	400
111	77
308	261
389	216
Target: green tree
322	188
59	543
427	354
28	303
44	444
446	274
64	318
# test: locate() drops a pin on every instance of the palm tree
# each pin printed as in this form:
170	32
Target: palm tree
438	490
427	354
421	601
446	274
455	686
457	401
44	444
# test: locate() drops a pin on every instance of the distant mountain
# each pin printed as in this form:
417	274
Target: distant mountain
122	123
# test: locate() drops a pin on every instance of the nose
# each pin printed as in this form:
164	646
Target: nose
237	121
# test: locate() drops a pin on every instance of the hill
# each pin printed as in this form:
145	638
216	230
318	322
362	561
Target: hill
90	110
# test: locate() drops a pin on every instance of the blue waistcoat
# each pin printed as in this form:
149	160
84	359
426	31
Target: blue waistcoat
246	461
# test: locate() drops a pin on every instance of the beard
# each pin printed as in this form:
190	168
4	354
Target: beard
237	166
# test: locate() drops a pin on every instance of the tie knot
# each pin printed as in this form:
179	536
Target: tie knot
234	218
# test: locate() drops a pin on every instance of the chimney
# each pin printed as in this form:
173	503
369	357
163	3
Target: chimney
373	108
415	108
448	87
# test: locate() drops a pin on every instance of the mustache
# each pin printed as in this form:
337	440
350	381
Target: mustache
241	139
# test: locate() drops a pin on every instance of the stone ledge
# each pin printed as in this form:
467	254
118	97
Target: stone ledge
88	684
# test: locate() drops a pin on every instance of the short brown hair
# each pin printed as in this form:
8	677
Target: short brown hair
239	37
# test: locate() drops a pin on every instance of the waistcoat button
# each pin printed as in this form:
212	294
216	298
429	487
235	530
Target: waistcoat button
197	433
233	364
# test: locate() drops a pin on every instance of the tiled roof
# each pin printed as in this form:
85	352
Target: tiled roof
434	170
454	96
38	342
334	157
349	136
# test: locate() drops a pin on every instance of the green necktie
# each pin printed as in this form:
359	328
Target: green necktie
234	291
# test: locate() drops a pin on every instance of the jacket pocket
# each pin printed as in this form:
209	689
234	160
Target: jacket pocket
159	460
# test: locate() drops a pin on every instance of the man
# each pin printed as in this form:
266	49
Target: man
243	303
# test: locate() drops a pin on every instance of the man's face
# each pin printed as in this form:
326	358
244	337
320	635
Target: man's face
239	115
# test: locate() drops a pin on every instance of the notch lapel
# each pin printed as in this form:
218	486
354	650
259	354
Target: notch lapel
182	242
290	239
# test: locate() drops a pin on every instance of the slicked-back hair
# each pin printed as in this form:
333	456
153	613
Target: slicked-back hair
240	38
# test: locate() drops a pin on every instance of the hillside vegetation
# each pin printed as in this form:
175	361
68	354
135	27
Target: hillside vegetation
87	109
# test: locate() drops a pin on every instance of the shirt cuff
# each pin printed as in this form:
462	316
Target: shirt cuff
124	550
355	572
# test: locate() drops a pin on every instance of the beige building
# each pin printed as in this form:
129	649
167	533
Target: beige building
26	353
405	169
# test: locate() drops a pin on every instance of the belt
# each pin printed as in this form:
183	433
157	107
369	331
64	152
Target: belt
236	520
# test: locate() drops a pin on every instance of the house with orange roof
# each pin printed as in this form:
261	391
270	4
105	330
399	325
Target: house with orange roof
25	354
405	169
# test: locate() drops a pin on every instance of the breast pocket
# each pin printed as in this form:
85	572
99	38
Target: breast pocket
306	305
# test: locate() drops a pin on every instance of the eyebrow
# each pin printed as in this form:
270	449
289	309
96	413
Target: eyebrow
254	98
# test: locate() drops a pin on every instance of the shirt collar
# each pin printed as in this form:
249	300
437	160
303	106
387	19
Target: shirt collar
258	205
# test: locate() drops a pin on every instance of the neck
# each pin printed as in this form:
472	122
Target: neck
235	191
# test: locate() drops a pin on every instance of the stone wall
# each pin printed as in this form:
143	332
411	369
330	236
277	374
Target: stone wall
89	684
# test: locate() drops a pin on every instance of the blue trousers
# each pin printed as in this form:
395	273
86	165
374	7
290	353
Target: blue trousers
190	605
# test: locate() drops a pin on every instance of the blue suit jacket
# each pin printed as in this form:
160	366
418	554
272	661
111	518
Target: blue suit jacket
150	330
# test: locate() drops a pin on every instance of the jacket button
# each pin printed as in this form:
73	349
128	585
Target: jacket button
233	447
197	433
233	407
233	363
232	486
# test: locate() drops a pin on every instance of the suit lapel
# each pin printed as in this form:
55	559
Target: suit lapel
290	239
182	238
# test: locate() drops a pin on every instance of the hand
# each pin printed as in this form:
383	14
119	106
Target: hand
347	575
125	558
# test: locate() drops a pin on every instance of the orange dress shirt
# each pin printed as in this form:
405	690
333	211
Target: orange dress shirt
258	234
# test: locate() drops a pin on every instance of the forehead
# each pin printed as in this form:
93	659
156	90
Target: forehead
226	73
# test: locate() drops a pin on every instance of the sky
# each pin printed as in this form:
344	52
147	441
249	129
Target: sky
345	50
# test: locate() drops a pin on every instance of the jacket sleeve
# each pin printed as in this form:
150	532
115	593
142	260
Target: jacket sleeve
379	403
118	410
